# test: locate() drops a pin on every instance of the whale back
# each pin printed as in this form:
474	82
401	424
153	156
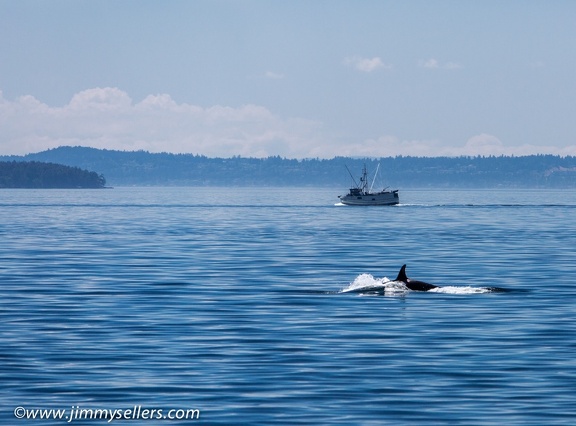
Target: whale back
413	284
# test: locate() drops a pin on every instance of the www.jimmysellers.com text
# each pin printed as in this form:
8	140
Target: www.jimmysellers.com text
76	412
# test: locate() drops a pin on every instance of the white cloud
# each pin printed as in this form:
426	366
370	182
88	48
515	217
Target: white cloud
386	146
430	63
435	64
273	75
482	144
108	118
486	144
366	64
108	98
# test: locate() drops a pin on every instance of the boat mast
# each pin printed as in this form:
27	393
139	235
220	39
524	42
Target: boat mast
364	179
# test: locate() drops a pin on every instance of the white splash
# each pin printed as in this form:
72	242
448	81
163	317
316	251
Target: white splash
366	283
460	290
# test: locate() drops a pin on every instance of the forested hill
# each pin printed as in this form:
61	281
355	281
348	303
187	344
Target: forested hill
144	168
35	174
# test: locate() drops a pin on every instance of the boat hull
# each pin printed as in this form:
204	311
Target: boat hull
378	199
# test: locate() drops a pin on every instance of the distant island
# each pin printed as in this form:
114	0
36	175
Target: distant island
142	168
36	174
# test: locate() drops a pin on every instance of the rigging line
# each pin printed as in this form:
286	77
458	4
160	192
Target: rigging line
350	173
374	179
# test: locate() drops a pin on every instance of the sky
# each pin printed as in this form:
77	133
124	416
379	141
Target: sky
298	78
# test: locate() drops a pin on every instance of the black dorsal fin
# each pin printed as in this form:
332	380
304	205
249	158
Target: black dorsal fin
402	275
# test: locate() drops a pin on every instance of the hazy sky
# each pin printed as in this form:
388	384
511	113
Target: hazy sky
295	78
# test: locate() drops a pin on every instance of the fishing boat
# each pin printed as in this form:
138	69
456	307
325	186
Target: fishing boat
360	195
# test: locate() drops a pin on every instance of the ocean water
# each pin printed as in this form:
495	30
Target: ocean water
277	306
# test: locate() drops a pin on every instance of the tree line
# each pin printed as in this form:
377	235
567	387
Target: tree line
123	168
36	174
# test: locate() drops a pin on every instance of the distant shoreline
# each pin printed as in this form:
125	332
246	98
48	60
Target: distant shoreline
141	168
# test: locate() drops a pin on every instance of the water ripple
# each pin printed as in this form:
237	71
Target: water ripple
252	314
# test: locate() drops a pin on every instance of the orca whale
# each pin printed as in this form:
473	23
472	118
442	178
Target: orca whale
413	284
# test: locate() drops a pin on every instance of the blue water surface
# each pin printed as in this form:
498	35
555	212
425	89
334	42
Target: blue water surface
252	306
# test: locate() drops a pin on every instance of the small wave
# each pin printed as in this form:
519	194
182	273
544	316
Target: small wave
460	290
